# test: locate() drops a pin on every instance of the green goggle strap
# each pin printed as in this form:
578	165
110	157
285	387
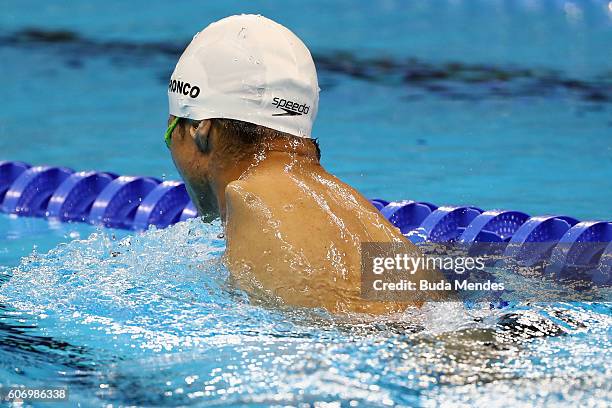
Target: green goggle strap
168	135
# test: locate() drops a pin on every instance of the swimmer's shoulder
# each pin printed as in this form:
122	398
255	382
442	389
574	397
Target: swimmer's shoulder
250	201
266	188
240	196
244	217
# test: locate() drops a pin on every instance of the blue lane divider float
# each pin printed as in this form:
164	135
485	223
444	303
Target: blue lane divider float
406	215
602	274
546	231
493	226
163	206
73	199
9	171
567	247
490	231
29	194
189	211
580	249
445	224
117	204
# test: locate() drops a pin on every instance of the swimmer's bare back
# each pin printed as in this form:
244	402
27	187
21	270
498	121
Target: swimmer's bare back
296	231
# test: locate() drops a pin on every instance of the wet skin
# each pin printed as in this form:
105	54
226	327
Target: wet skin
292	229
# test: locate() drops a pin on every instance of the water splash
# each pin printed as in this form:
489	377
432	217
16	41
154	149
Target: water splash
154	319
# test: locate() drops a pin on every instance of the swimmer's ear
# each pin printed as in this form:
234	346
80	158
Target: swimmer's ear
200	132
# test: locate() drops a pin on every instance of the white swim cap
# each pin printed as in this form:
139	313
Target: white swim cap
248	68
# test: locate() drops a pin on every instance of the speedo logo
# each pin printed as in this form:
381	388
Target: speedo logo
184	88
291	108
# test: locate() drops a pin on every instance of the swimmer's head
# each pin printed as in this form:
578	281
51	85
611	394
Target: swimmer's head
245	85
211	153
248	68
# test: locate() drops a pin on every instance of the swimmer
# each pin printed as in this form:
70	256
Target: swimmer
243	98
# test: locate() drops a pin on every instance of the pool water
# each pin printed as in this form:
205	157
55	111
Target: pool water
152	319
498	104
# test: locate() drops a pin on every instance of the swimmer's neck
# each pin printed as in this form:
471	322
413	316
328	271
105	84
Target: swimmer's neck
271	157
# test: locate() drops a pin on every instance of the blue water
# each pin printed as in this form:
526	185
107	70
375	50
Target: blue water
499	104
